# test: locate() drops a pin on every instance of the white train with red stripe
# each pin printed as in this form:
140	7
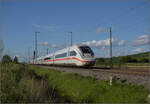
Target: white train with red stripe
74	55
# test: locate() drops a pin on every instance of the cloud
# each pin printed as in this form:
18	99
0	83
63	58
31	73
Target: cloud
58	46
17	55
138	50
42	43
128	51
89	43
45	27
99	29
141	40
104	43
123	52
54	46
121	43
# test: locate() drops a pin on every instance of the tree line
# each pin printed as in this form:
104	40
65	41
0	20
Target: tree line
136	58
7	59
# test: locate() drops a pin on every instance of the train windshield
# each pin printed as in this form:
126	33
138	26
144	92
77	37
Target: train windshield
86	50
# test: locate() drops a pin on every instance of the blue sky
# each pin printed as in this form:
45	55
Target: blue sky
129	20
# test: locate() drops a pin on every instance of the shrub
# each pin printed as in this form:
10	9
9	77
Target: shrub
15	60
20	85
6	59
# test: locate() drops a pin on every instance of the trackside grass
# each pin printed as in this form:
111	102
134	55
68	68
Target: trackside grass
20	85
75	88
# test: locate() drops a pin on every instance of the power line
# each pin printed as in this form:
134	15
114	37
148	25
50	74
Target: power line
36	46
70	38
111	64
29	55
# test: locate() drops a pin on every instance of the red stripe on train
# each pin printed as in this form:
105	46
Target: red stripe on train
66	59
79	59
57	59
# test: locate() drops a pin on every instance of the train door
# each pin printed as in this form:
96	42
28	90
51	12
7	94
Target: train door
70	57
53	58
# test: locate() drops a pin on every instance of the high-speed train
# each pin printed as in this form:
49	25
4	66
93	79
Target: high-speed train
74	55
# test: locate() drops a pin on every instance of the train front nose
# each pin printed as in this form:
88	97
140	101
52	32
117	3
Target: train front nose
90	62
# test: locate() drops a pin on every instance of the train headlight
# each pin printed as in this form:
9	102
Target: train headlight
87	55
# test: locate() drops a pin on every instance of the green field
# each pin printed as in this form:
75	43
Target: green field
25	83
140	60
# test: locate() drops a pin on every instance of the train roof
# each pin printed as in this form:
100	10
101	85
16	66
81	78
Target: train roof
72	47
48	55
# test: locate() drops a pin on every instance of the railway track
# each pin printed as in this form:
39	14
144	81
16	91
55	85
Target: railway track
142	72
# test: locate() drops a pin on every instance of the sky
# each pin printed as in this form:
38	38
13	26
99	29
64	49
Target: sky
88	20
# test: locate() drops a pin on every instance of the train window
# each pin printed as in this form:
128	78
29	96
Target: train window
40	60
73	53
47	58
61	55
86	49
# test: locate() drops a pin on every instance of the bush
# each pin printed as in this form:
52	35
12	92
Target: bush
6	59
15	60
20	85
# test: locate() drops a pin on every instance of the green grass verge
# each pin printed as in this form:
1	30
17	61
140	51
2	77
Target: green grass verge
79	89
20	85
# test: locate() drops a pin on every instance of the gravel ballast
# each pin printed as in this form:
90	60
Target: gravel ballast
100	75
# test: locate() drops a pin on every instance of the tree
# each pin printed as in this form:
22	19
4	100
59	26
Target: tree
15	59
6	59
1	47
100	60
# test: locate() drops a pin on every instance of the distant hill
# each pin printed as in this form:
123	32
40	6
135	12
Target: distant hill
145	54
134	58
